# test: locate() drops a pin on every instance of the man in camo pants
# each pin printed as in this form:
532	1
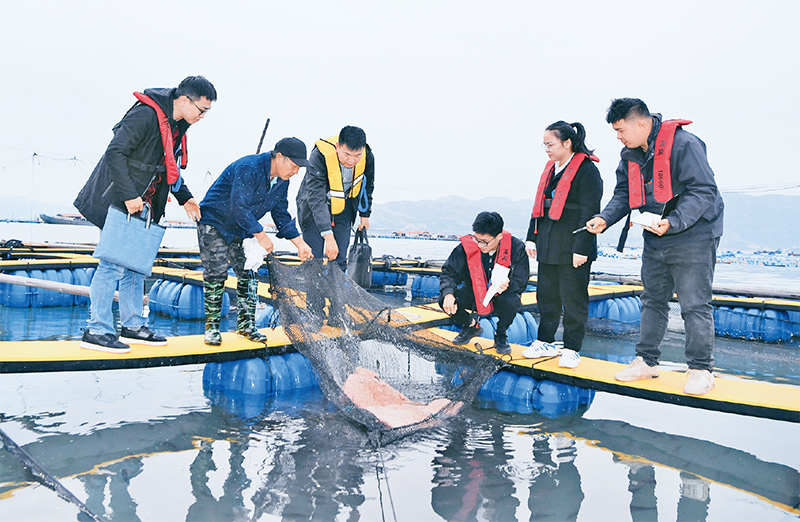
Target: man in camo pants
245	191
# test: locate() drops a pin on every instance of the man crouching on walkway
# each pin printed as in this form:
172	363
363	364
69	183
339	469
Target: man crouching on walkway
245	191
490	254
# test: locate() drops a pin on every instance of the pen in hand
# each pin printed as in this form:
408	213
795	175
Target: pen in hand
579	230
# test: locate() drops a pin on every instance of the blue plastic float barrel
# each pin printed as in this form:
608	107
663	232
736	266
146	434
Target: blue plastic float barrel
257	376
181	300
20	296
522	393
756	325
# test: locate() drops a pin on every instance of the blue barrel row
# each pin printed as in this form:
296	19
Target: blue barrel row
185	301
425	287
753	324
278	373
384	278
524	394
523	330
619	309
18	296
251	380
181	300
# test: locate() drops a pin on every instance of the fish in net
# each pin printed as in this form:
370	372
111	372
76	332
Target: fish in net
378	367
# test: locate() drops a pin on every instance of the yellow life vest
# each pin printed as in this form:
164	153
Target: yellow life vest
335	181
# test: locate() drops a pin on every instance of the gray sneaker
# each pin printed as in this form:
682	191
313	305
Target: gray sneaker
103	343
143	335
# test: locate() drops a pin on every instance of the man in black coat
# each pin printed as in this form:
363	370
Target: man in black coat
335	189
139	169
487	260
664	170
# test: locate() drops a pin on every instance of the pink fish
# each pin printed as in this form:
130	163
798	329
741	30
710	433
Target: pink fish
369	392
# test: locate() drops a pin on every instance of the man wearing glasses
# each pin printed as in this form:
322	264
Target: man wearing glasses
140	168
484	275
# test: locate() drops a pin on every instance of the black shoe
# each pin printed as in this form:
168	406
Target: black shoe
103	343
143	335
501	345
252	334
467	333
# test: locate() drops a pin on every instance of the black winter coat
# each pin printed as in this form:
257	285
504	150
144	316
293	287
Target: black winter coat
555	242
455	270
313	204
699	211
132	159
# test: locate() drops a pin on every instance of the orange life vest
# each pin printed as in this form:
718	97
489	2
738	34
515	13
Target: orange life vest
166	139
662	176
562	188
475	265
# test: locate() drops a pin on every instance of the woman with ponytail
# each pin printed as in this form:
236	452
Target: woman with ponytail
567	197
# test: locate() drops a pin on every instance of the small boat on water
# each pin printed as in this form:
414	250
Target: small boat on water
65	219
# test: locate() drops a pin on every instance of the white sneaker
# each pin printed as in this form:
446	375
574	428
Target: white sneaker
700	382
636	371
569	359
541	349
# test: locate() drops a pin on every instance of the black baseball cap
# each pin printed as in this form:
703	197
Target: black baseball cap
293	149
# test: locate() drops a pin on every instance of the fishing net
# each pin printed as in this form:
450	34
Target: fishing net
378	367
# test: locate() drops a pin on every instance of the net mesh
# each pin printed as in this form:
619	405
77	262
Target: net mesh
378	367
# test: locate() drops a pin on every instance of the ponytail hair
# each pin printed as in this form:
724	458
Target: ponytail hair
571	131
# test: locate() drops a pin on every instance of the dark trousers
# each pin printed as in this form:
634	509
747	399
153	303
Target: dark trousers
687	269
505	307
342	225
562	286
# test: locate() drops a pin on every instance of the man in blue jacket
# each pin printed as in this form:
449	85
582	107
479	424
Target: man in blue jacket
245	191
664	170
140	167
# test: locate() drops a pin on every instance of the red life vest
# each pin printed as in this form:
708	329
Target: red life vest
166	139
476	273
662	177
562	188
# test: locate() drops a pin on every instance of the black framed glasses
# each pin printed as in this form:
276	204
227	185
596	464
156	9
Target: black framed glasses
202	110
481	242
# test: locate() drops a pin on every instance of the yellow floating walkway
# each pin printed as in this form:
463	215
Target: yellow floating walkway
730	394
733	395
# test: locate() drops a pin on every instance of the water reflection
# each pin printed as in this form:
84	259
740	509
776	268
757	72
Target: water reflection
294	457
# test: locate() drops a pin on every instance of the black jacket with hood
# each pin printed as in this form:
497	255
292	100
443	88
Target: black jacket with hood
133	159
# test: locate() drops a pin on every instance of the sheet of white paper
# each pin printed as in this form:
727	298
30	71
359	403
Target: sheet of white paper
499	276
645	219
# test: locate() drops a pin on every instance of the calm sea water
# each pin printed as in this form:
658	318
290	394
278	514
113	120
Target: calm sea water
153	445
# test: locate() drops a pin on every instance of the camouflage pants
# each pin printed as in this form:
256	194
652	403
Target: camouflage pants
217	255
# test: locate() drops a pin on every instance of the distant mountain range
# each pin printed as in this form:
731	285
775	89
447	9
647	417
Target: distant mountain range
751	222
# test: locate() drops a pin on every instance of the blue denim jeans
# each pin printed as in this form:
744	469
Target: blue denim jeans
101	293
687	269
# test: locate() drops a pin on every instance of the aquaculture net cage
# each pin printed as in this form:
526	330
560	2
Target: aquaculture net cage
378	367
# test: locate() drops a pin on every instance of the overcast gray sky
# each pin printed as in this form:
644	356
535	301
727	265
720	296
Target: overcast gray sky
453	95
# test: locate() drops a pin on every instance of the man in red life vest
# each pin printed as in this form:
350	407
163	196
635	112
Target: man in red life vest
486	273
140	166
664	170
